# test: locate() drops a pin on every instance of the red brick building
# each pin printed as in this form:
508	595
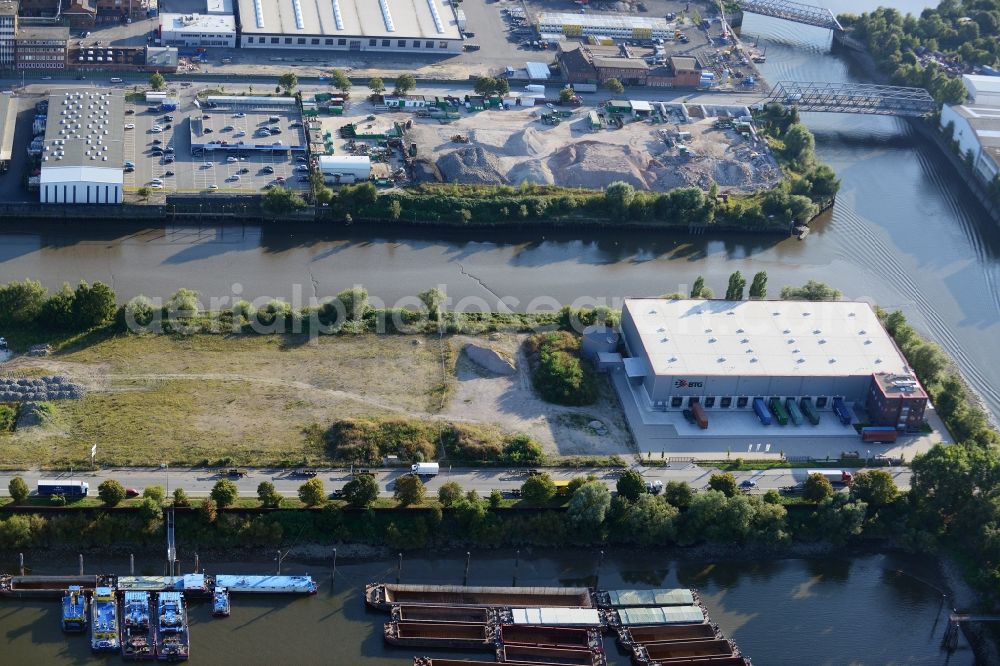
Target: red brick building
898	401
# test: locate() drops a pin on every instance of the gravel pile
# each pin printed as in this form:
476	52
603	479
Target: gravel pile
471	164
40	389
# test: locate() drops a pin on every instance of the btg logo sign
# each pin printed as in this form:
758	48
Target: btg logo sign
683	383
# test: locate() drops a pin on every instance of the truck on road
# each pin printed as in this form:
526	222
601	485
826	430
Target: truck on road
65	487
425	469
835	476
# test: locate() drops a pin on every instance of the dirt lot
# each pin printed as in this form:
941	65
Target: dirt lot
511	402
260	400
508	147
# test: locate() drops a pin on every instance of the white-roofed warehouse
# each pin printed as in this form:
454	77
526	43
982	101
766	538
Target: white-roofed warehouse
82	153
723	354
425	26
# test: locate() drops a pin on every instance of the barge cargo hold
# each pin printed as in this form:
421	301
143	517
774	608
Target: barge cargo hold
385	595
46	586
660	615
138	642
702	661
659	652
551	637
667	632
442	635
554	617
655	597
267	584
74	610
442	614
521	654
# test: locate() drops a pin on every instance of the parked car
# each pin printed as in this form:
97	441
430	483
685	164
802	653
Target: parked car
128	112
244	170
213	187
267	169
168	159
129	125
239	115
747	484
168	174
131	492
156	142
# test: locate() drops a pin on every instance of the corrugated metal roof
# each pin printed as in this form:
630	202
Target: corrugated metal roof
557	617
537	70
661	615
655	597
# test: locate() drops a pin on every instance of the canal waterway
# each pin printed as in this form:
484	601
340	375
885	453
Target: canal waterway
904	233
870	610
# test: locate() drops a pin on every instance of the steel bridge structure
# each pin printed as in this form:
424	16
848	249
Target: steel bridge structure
821	17
864	98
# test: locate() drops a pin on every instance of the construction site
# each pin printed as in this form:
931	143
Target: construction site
653	146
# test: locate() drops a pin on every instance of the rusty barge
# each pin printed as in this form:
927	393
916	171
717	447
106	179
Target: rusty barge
444	635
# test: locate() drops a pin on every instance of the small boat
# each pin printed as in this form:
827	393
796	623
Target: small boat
74	610
137	631
220	602
172	642
104	623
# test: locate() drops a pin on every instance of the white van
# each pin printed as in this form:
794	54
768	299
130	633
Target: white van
116	80
425	469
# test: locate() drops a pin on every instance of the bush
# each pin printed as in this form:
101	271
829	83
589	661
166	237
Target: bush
18	490
208	510
111	492
724	483
588	505
268	495
811	291
559	376
631	485
361	491
150	510
312	492
21	302
8	418
538	489
409	490
225	493
449	493
678	494
156	493
181	498
93	305
522	450
817	488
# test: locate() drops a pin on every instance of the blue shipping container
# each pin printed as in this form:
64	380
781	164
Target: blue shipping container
761	410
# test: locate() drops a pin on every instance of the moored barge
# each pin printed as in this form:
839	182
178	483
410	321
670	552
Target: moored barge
407	613
137	636
74	610
104	623
172	638
521	654
445	635
550	636
49	586
654	597
665	652
666	632
267	584
435	661
384	596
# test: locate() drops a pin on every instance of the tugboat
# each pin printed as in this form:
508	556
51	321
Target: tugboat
74	610
137	630
220	602
104	623
172	643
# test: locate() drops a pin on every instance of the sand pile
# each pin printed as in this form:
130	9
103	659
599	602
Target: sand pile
533	171
527	142
594	165
471	164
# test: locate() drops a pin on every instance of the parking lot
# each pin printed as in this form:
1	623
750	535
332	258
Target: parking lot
164	159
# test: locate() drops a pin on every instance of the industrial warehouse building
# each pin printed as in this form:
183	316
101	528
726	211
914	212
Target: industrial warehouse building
976	125
198	30
425	26
615	26
82	152
723	354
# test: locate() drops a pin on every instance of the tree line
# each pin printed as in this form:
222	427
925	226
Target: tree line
965	32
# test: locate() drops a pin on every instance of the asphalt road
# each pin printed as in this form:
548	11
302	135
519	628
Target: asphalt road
199	482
